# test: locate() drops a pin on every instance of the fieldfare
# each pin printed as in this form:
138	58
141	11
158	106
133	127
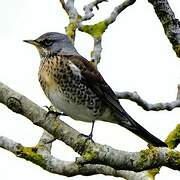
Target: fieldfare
77	89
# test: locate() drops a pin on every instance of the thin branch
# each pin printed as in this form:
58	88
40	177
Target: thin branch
91	152
96	53
170	24
88	9
117	10
97	30
133	96
64	5
9	144
74	18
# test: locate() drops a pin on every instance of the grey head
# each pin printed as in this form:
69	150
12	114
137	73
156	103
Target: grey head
52	43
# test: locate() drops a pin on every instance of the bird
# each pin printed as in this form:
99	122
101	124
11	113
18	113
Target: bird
75	87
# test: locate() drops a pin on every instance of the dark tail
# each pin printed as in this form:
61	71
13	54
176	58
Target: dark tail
129	123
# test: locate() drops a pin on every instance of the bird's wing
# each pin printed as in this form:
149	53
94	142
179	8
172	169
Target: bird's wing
93	79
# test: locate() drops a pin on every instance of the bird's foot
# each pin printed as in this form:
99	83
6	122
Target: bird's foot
88	137
52	110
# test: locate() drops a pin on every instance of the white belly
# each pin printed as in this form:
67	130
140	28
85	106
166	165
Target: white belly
77	112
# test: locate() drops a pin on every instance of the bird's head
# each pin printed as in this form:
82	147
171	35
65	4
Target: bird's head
52	43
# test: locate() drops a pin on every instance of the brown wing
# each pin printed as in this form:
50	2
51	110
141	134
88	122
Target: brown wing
93	79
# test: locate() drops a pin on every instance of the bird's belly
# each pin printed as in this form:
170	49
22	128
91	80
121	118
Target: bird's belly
74	110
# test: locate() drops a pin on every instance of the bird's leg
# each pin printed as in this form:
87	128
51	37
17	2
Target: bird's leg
91	133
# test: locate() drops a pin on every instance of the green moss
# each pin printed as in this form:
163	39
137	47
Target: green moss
174	157
30	154
152	172
83	147
147	155
89	155
71	29
40	147
173	138
95	30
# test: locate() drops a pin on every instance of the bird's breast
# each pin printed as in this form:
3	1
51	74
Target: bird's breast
46	78
61	82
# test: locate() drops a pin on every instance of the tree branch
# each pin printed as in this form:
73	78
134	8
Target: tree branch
170	24
88	9
96	158
45	143
117	10
95	30
133	96
90	152
66	168
63	5
173	138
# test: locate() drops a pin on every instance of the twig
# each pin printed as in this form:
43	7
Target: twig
63	5
117	10
133	96
88	9
97	30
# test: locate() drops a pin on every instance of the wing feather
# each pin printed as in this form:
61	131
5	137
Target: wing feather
92	78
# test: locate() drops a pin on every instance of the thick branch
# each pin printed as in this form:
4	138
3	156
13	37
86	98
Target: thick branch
170	24
66	168
91	152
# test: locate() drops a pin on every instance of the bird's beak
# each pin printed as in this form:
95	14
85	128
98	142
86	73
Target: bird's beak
33	42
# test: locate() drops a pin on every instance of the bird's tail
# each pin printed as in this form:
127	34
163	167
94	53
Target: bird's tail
128	122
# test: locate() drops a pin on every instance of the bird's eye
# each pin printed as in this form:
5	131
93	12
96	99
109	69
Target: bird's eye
47	42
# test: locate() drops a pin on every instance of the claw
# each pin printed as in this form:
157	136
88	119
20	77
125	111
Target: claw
97	7
51	110
88	137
